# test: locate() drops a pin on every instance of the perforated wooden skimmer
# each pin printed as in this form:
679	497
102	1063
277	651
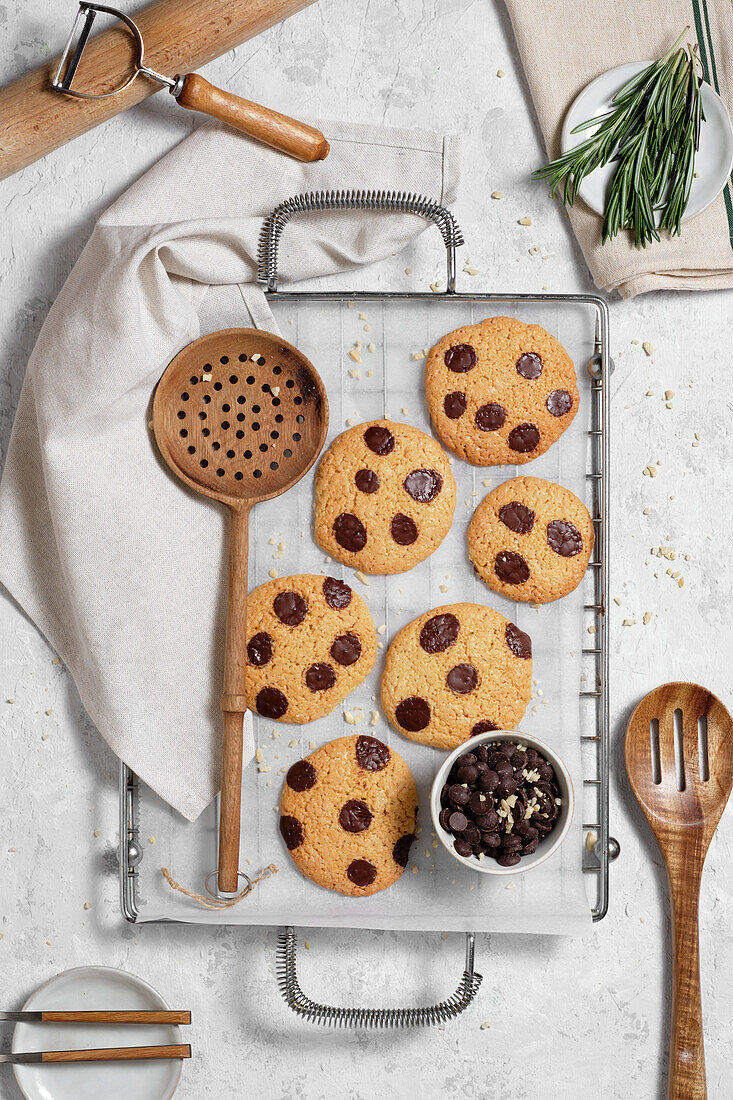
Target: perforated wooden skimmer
239	415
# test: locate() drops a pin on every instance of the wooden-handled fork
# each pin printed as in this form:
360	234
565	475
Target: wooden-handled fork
679	759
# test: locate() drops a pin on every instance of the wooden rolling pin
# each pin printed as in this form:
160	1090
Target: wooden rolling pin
179	35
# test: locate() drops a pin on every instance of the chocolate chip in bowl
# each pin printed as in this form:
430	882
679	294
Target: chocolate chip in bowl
502	802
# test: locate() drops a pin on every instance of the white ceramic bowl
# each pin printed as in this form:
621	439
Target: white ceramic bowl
548	844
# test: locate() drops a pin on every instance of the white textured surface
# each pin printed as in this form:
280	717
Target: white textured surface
578	1018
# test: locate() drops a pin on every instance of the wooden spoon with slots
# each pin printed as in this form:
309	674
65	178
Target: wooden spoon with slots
683	812
239	415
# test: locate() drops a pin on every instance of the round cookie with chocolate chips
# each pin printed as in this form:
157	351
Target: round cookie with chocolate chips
347	815
455	672
531	540
385	497
310	641
500	392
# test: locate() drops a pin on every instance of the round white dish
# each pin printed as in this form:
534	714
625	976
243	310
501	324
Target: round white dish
713	162
548	844
91	988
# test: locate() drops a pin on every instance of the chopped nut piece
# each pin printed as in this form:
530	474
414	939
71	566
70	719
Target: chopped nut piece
355	356
486	1023
273	573
650	393
647	618
590	841
263	768
87	905
497	195
360	576
646	512
617	601
435	287
629	622
525	221
259	756
362	316
648	348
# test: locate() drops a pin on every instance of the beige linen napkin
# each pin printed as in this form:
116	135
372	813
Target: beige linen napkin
563	48
121	567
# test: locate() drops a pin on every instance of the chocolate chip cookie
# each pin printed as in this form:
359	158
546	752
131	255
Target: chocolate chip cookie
347	815
531	540
385	497
500	392
455	672
310	641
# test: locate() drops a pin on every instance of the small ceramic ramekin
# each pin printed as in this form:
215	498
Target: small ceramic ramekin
548	845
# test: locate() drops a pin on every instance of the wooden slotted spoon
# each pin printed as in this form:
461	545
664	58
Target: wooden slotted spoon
239	415
683	796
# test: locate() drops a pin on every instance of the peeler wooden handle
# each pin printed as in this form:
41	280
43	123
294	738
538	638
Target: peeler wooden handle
270	127
233	701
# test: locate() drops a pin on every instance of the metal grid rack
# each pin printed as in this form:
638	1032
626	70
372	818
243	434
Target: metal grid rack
595	699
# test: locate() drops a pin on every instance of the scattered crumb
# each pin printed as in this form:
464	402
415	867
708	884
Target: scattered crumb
311	744
362	316
650	393
381	629
646	512
355	373
57	660
414	868
592	630
350	422
151	840
87	905
443	587
408	271
273	573
307	945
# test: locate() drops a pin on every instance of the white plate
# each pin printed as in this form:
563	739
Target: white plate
713	162
91	988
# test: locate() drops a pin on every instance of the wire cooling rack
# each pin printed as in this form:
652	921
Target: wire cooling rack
599	847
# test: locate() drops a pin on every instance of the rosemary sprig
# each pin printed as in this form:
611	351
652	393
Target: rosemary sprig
652	132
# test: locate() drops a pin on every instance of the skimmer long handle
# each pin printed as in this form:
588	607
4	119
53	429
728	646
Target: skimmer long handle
285	134
686	1045
233	701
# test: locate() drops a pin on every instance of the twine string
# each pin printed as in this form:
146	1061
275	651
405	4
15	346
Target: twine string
219	904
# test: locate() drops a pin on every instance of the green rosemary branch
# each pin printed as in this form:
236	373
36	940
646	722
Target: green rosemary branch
651	132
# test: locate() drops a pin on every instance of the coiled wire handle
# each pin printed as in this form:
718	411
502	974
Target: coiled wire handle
391	202
307	1009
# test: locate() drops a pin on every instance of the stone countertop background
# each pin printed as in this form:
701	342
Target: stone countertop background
573	1018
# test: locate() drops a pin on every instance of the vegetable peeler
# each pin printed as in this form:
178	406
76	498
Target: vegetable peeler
190	90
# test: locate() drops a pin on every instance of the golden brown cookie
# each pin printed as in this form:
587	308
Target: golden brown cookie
457	671
500	392
310	641
385	497
347	815
531	540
